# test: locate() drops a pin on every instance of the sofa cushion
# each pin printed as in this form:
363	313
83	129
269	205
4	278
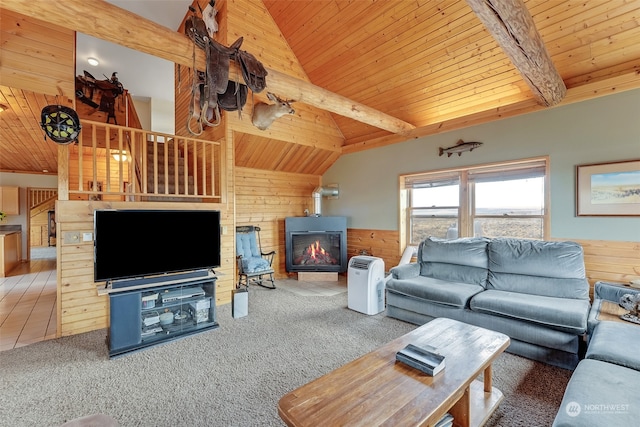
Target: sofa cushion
460	260
436	290
616	342
554	269
405	271
600	394
562	314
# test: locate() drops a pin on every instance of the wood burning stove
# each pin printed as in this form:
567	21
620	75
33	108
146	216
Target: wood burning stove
316	243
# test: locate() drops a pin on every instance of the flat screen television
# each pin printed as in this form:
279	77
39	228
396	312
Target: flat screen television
140	243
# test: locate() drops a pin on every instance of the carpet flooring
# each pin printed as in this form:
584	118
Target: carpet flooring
234	375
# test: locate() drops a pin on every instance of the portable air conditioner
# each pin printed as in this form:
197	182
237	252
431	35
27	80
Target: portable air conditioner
365	284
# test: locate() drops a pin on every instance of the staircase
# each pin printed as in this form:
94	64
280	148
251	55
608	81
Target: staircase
167	181
41	228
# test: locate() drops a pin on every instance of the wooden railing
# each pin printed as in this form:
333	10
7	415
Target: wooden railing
38	196
112	162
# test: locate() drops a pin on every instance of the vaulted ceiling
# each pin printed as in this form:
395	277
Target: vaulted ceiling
421	67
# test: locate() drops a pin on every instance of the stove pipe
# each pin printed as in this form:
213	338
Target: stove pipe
317	194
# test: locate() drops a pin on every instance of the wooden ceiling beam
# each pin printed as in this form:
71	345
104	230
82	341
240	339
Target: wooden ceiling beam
111	23
511	25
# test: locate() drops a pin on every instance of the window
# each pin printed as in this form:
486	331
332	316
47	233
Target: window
498	200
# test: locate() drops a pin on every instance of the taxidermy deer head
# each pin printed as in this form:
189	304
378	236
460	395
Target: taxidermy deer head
265	114
209	17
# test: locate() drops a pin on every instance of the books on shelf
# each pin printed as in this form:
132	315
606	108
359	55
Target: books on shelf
446	421
426	360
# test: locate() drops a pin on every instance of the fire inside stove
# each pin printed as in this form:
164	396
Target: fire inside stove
311	250
315	254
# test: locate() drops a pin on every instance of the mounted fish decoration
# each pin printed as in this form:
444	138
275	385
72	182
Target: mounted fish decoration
459	148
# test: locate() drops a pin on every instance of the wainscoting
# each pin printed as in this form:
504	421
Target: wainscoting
604	259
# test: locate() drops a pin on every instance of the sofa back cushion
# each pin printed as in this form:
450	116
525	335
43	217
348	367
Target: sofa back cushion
461	260
554	269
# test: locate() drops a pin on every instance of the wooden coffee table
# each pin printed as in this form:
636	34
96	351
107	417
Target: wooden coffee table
376	390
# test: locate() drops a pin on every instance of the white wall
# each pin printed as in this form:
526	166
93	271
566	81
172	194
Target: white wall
23	181
600	130
163	118
142	105
156	115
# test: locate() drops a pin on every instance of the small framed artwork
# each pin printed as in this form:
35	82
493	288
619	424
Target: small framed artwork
95	186
608	189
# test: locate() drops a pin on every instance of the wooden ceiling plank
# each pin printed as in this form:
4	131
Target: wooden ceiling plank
564	19
417	59
391	94
606	55
569	38
382	19
453	109
417	41
513	28
278	8
285	160
298	155
307	45
111	23
36	102
604	74
332	17
309	13
326	164
459	104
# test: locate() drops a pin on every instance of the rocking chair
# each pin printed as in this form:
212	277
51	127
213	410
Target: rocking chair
253	264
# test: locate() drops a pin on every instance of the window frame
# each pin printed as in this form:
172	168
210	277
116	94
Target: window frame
466	210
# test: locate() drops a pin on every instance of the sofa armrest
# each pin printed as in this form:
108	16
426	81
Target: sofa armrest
406	271
612	291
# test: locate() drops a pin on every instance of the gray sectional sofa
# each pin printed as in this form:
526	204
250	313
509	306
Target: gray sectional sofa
536	292
603	389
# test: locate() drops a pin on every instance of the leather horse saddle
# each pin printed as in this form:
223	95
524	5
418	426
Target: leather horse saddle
212	88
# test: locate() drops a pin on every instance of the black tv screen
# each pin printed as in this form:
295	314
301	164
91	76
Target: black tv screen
138	243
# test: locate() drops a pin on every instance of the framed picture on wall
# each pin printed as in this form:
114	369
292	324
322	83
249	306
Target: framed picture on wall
95	186
608	189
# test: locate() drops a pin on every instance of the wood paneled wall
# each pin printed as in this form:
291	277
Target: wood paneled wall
611	261
266	198
80	308
605	260
101	173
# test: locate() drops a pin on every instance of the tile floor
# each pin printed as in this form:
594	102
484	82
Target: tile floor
28	304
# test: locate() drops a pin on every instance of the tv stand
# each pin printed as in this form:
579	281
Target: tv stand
148	313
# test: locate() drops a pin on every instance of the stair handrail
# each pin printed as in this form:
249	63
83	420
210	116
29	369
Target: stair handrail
100	177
